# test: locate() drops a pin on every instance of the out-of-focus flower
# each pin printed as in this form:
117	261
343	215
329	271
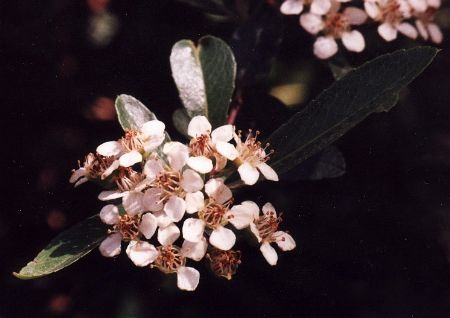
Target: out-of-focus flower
335	25
265	228
295	7
391	15
425	24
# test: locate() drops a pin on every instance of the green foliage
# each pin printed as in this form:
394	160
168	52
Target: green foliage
65	249
131	112
373	87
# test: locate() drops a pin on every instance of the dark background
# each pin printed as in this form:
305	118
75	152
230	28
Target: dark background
373	243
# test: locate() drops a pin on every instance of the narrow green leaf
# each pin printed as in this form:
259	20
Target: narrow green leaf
65	249
370	88
131	112
205	77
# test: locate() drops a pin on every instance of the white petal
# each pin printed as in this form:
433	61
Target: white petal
175	208
268	209
325	47
353	41
187	278
151	143
141	253
168	235
387	32
312	23
200	164
269	253
110	148
77	174
110	246
252	207
284	240
418	5
109	214
407	29
320	7
162	218
227	150
248	173
193	229
217	190
152	168
194	202
80	181
372	9
111	195
153	128
222	238
292	7
240	216
148	225
355	16
195	251
114	165
191	181
267	171
132	203
130	158
255	231
152	200
434	3
177	154
199	125
422	30
435	33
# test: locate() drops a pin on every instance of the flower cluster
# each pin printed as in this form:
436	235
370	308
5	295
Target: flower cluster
177	196
329	20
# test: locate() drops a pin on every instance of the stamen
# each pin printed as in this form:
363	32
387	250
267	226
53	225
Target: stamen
169	259
213	214
224	263
128	179
128	227
267	225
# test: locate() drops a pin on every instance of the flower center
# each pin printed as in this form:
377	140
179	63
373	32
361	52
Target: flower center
169	259
128	227
251	150
96	164
132	141
267	225
128	179
391	12
224	263
201	146
336	24
213	214
168	181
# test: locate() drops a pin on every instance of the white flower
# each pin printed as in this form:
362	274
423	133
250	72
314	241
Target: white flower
93	168
214	214
265	228
206	145
252	158
335	25
128	228
391	14
425	22
295	7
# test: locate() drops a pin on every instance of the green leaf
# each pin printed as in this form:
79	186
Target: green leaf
132	114
65	249
205	77
373	87
181	120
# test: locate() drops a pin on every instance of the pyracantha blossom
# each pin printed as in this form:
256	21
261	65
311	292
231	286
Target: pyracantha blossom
128	228
170	259
391	15
206	145
295	7
214	213
425	24
265	228
130	149
335	25
93	168
224	263
251	159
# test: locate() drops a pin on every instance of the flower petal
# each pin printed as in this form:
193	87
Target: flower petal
311	22
255	231
194	201
177	154
418	5
110	246
152	168
223	133
168	235
320	7
110	148
435	33
162	218
248	173
284	240
268	209
130	158
227	150
222	238
109	214
267	171
355	16
199	125
353	41
148	225
191	181
217	190
132	203
407	29
372	9
195	251
387	32
240	216
193	229
291	7
252	207
200	164
111	195
325	47
175	208
269	253
422	30
187	278
141	253
114	165
153	128
152	200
